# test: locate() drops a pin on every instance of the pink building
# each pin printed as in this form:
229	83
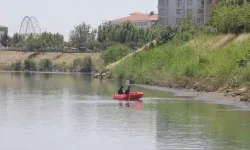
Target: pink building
141	20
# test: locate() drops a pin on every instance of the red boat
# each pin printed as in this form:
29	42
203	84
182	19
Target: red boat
131	96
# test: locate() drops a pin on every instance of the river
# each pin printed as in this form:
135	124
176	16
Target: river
71	112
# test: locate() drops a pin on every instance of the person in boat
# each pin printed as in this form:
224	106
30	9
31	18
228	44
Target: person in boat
127	90
120	91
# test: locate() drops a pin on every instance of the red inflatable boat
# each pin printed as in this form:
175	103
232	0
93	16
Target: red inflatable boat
132	96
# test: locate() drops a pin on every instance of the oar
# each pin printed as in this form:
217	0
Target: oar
128	84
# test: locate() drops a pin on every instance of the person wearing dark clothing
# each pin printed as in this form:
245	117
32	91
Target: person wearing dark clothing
127	90
120	91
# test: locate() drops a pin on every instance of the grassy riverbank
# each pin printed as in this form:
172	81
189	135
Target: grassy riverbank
206	63
60	61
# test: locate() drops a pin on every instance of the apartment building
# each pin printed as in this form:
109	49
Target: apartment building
140	20
170	12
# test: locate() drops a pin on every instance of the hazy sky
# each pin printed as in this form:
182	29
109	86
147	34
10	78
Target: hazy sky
62	15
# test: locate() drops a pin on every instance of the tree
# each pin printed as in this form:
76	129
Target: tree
81	34
231	16
17	39
125	33
5	39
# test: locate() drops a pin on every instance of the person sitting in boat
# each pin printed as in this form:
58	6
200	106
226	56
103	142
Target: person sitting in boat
120	91
127	90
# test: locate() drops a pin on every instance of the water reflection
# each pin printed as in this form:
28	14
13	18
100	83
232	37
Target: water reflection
53	111
199	125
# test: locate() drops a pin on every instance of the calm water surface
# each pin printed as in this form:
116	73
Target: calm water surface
70	112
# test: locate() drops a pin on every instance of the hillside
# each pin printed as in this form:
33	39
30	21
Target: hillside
64	59
206	63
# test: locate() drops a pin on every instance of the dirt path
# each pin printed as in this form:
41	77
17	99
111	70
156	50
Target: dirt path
112	65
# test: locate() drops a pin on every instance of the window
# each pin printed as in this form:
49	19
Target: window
161	12
189	2
198	20
178	11
141	24
200	2
189	12
178	3
178	20
199	11
161	3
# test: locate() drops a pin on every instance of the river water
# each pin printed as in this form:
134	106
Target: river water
72	112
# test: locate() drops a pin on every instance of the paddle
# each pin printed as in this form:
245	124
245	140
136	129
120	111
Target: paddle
128	84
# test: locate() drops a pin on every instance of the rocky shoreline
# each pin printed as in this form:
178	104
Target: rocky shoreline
103	75
239	94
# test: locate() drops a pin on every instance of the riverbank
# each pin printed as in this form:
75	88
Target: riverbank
208	63
61	62
208	97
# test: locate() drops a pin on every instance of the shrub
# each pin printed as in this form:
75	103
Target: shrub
166	34
87	63
17	66
61	66
45	65
83	64
115	53
231	16
77	63
29	64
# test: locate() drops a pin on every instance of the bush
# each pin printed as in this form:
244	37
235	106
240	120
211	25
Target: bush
29	64
45	65
17	66
166	34
115	53
77	63
84	64
87	63
231	17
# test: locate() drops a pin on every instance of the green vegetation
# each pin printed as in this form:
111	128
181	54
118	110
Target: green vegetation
115	53
182	64
231	16
5	39
84	64
29	65
45	65
84	38
17	66
197	58
44	42
125	33
87	63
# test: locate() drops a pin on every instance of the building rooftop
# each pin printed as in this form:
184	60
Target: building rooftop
3	26
138	16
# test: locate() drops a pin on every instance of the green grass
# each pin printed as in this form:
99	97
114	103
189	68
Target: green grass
207	61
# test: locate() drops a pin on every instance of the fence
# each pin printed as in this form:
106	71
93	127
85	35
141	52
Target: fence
64	50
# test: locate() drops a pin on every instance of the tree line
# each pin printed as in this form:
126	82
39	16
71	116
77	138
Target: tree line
82	37
229	16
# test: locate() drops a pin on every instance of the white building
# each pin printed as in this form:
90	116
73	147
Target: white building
141	20
172	11
3	29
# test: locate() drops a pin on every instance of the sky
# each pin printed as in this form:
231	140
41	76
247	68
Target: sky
62	15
